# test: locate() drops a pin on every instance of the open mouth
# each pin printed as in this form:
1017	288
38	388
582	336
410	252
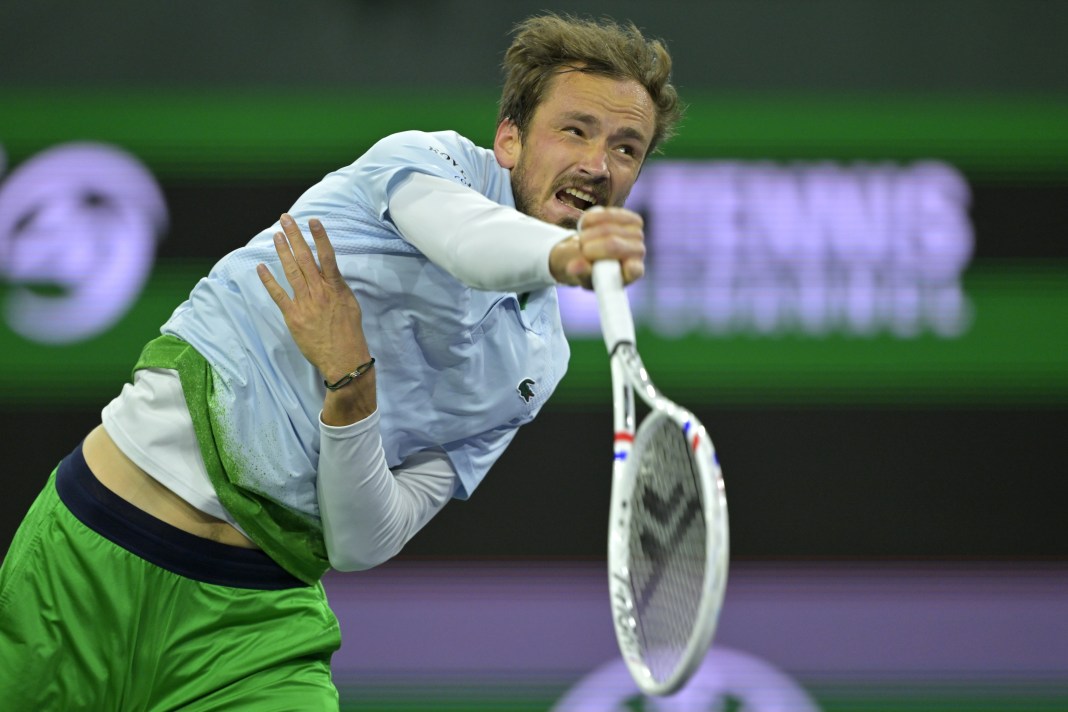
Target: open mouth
575	198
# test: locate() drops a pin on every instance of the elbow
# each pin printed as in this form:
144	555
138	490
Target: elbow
348	564
359	558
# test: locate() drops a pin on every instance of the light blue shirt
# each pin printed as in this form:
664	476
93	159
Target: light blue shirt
457	368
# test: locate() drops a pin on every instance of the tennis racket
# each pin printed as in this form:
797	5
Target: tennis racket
668	531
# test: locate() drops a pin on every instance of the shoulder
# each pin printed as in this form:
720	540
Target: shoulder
426	143
446	147
447	154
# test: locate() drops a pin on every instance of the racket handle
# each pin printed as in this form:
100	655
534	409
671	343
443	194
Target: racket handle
617	324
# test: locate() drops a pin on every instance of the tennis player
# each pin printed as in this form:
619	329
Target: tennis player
313	405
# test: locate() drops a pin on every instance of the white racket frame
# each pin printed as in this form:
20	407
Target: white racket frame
629	376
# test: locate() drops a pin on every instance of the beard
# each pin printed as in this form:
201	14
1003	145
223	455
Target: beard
526	200
526	194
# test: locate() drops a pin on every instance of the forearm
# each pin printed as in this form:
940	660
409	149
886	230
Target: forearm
368	512
483	244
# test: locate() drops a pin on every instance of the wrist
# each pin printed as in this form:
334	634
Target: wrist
348	377
561	256
351	403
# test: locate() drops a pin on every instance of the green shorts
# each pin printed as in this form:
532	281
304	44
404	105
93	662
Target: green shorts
103	607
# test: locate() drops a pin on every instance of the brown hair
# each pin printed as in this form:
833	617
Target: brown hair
546	43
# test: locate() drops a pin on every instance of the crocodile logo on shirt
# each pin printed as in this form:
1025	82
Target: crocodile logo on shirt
525	389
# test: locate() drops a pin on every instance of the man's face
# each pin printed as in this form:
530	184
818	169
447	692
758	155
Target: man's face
583	146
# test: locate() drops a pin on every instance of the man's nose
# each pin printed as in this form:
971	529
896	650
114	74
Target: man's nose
595	160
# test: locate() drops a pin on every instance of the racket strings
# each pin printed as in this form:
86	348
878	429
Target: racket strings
667	556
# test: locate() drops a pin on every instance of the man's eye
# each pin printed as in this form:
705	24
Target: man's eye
573	130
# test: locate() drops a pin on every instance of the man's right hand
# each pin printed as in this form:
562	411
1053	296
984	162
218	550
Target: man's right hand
603	234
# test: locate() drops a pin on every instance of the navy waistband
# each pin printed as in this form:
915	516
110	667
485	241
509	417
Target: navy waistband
158	542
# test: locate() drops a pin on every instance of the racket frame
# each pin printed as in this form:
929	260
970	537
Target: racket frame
629	376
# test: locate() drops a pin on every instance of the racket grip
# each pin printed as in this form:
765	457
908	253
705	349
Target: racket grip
617	324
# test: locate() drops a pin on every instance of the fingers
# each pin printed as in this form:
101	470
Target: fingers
273	287
327	258
288	246
633	270
300	252
610	233
298	262
600	215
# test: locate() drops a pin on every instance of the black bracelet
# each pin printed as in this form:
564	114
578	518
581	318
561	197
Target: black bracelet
350	376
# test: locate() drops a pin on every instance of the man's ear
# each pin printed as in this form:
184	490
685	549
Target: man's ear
507	144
